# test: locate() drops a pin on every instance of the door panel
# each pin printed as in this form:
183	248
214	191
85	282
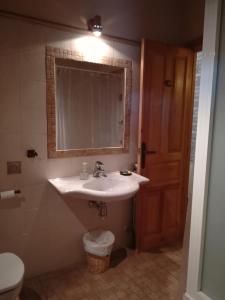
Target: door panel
176	110
154	96
164	173
152	209
166	116
171	214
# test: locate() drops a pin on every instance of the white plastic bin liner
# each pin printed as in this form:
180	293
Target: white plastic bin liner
99	242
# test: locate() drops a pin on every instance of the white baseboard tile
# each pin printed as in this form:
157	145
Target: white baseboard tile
199	296
187	297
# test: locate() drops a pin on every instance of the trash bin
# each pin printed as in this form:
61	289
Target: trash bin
98	246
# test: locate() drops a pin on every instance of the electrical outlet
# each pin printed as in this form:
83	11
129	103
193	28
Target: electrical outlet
14	167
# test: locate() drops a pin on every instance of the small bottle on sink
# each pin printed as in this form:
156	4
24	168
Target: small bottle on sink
84	175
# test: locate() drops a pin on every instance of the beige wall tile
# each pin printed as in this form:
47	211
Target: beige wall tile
33	94
10	109
34	120
10	71
14	245
32	65
11	220
11	147
50	229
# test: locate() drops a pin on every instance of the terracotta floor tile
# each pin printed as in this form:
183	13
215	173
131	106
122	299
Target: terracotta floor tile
152	276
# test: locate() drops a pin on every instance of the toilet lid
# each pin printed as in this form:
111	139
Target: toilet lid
11	271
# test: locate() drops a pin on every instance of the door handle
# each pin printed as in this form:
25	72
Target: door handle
144	151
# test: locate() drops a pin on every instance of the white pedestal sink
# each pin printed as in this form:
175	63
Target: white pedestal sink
114	187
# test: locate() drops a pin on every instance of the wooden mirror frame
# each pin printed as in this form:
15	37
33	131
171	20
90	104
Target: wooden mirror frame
52	54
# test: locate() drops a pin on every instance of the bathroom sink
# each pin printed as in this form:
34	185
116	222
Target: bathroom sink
104	184
111	188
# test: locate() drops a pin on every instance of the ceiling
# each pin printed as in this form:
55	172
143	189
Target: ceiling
134	19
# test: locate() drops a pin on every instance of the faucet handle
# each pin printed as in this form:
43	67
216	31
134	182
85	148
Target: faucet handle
99	169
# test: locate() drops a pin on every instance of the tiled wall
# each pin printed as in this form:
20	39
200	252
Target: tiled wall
196	102
194	121
40	226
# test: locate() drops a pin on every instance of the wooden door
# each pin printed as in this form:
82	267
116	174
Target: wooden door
164	142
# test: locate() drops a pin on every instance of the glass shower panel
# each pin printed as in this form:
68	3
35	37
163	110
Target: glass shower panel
213	270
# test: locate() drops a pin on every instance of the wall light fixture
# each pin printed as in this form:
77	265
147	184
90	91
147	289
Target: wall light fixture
94	25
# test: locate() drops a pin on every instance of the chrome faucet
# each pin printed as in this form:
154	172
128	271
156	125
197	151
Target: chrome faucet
99	170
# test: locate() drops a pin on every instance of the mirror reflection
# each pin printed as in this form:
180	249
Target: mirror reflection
90	105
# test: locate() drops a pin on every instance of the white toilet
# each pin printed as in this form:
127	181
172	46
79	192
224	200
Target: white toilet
11	276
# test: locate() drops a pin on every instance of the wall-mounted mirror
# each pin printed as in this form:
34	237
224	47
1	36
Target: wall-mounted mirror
88	104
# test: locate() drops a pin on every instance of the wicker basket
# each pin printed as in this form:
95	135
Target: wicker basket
97	264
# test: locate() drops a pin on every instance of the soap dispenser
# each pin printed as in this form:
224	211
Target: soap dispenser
84	175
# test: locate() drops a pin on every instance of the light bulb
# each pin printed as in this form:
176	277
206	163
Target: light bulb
97	33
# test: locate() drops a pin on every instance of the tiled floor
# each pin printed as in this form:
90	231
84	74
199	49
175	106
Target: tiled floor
152	276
